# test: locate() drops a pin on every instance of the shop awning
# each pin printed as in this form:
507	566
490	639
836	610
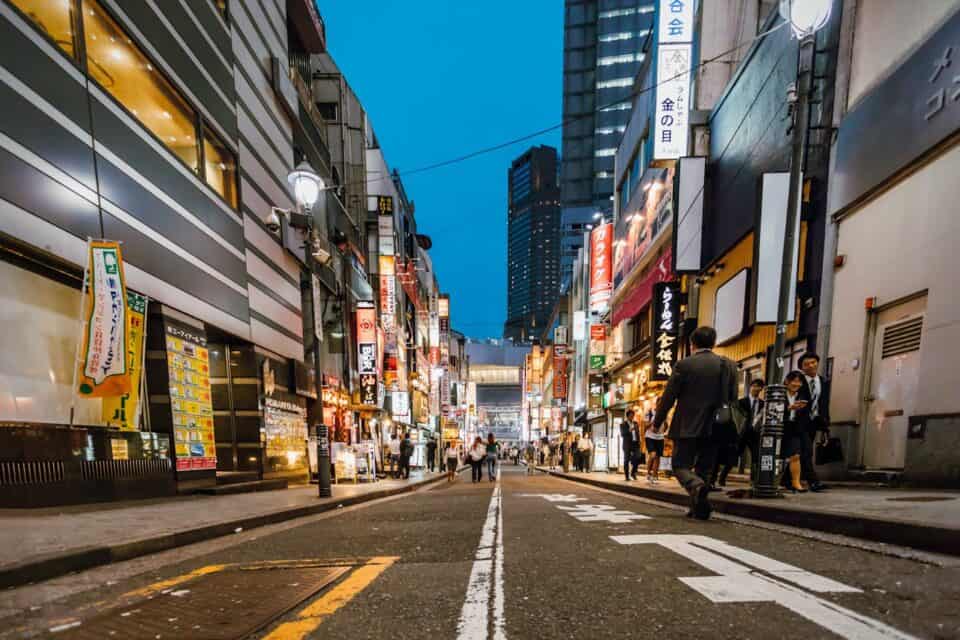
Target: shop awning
642	291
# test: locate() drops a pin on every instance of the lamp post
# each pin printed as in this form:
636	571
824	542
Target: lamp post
806	17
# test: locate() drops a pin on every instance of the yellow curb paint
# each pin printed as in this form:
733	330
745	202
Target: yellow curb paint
172	582
313	615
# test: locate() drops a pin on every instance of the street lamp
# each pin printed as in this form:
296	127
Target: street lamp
805	18
306	185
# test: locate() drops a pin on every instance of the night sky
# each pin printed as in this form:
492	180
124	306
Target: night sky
441	78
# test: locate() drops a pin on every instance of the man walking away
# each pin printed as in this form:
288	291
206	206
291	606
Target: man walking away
406	452
630	442
816	391
394	454
586	449
492	451
700	384
431	454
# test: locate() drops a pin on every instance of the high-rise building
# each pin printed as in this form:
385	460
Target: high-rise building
602	52
533	242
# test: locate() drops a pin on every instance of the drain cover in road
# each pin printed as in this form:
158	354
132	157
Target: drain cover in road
220	606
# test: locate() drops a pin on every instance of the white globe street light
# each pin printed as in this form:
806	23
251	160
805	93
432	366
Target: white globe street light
306	185
806	16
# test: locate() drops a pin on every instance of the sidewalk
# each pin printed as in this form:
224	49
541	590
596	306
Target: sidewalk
927	520
39	544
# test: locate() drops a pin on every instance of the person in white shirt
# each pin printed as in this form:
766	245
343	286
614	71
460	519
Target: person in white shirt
586	449
653	441
816	392
394	455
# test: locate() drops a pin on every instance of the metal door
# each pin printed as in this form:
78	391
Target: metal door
893	384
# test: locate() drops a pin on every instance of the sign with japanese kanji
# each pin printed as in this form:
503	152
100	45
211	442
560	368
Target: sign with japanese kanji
675	21
671	122
666	329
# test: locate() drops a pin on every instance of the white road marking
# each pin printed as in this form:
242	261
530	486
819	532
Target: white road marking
486	576
554	497
740	582
602	513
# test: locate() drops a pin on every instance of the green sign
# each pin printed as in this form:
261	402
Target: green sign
597	362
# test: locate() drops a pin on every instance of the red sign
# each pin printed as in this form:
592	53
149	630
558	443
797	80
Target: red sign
598	332
641	293
601	266
366	340
560	377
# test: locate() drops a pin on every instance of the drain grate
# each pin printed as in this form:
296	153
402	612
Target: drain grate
220	606
921	498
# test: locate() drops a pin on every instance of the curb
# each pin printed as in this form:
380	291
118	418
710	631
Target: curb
50	566
906	534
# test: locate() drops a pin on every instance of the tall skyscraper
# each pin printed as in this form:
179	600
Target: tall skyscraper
533	242
602	52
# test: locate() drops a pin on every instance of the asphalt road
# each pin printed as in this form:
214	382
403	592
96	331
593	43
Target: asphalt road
527	557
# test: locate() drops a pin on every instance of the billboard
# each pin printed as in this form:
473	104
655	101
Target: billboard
601	267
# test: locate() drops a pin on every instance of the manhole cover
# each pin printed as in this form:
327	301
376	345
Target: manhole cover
921	499
219	606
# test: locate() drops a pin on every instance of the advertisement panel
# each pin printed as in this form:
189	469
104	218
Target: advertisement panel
601	267
666	329
595	391
366	339
387	246
104	369
188	368
368	389
388	302
671	122
124	411
642	223
675	21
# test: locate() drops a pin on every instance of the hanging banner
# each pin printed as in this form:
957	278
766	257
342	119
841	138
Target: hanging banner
601	267
666	329
366	339
122	411
388	302
104	370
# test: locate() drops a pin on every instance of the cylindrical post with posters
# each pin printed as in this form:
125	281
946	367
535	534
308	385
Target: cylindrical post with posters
766	484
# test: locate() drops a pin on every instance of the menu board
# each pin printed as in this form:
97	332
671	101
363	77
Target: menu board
285	427
188	363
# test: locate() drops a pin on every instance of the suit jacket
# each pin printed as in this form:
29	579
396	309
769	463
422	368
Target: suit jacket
822	421
746	405
627	442
695	388
801	421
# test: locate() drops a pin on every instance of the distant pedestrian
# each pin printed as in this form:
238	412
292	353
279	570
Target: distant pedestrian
700	384
531	458
566	456
575	453
751	406
431	454
406	452
492	450
545	454
795	428
816	391
476	454
653	441
394	455
630	445
586	453
452	460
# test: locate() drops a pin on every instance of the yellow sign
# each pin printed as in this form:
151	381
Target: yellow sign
121	411
103	370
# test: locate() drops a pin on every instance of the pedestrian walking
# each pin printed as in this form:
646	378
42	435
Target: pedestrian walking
630	444
653	441
701	386
406	452
751	406
394	455
566	454
795	427
531	458
476	455
575	452
431	454
452	460
492	450
816	391
586	453
545	454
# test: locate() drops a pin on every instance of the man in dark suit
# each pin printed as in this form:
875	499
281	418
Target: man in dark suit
816	391
700	383
630	442
752	407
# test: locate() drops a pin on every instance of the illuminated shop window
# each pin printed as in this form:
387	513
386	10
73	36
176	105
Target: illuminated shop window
53	18
119	66
220	167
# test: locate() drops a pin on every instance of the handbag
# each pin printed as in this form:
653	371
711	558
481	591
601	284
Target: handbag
728	413
828	452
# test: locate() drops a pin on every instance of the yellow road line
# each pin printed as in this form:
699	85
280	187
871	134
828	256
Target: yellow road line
313	615
172	582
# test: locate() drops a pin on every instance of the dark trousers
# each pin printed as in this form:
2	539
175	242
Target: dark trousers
693	461
631	462
476	467
807	470
749	439
404	471
431	461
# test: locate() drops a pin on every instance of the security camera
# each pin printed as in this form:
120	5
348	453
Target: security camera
273	222
321	255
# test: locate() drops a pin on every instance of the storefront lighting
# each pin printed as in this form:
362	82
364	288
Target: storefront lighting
306	185
292	457
806	16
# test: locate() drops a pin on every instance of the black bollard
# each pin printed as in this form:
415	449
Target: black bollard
323	460
769	467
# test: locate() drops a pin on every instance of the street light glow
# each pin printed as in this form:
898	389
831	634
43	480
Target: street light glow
805	16
306	185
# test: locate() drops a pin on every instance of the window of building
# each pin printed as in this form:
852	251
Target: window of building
613	37
616	82
327	110
616	13
221	6
219	167
605	153
606	61
53	19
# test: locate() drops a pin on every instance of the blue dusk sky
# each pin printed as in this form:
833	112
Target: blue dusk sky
441	78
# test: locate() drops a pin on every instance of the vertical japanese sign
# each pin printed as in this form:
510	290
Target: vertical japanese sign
366	339
601	267
674	59
104	370
666	329
595	391
434	338
123	411
188	366
560	373
388	302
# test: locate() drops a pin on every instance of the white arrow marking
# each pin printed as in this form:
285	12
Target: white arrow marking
602	513
553	497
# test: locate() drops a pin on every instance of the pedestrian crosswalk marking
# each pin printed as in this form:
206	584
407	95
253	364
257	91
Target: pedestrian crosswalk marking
602	513
554	497
740	579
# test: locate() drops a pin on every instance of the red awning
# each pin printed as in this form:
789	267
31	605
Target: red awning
642	292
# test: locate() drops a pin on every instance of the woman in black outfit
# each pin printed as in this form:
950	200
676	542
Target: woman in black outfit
795	425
